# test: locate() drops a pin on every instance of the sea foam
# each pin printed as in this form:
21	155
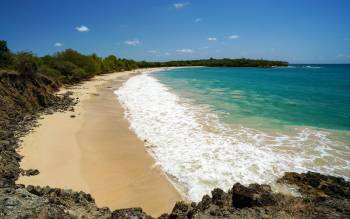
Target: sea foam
199	153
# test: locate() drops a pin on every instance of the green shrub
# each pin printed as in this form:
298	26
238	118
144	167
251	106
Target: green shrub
26	63
51	72
71	73
90	64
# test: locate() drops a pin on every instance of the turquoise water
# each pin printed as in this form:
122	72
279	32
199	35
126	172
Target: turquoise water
317	96
213	127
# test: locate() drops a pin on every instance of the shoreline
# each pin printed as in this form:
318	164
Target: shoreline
93	150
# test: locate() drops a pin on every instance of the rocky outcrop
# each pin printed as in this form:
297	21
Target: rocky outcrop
253	201
21	98
46	202
316	184
322	197
130	213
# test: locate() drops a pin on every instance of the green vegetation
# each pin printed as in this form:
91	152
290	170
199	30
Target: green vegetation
26	63
260	63
67	67
70	66
5	55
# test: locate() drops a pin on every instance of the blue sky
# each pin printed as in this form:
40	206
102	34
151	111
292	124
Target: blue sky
298	31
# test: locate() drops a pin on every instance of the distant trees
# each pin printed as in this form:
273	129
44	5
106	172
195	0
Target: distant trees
70	66
216	63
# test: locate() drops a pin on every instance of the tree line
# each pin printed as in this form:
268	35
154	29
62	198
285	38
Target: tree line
259	63
70	66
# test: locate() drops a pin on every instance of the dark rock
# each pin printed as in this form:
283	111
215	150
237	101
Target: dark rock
180	210
20	186
54	213
316	184
72	116
164	216
205	203
4	143
218	197
253	196
30	172
130	213
68	93
34	190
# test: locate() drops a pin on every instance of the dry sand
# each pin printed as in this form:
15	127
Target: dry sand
97	153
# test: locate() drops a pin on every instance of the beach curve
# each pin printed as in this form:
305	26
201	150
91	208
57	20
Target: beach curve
92	149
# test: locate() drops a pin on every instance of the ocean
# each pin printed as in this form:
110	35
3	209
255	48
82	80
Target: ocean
213	127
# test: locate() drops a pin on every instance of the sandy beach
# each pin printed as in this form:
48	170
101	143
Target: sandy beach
96	152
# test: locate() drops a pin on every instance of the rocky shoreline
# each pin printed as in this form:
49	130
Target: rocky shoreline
24	99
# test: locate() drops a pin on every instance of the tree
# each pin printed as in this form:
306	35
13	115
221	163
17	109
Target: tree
3	46
71	73
51	72
110	63
90	64
26	63
6	58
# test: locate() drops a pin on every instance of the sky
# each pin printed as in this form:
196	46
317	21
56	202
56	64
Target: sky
298	31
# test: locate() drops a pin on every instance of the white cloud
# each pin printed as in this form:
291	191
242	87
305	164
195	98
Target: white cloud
342	55
212	39
158	53
185	50
82	28
58	44
180	5
204	47
153	51
233	37
197	20
134	42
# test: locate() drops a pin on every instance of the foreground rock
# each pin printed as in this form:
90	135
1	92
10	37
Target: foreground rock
253	201
46	202
321	197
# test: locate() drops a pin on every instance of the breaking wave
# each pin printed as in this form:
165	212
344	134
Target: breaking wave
198	152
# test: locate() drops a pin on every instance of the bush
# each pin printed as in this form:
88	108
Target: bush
71	73
53	73
90	64
6	58
110	63
26	63
79	74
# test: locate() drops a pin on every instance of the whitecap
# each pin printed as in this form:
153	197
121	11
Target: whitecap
199	153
